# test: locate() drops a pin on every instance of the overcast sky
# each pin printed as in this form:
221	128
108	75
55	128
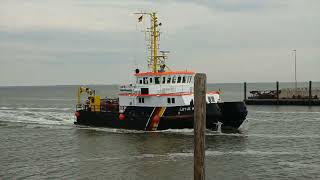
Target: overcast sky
54	42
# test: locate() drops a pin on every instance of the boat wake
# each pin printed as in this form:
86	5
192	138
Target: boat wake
35	115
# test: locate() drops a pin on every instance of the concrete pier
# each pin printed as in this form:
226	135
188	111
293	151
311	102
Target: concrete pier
287	96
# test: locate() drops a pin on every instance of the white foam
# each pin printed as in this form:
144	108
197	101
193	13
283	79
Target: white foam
226	134
149	156
41	117
112	130
178	131
252	119
186	154
188	132
5	108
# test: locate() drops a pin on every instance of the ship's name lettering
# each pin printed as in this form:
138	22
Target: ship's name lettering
183	109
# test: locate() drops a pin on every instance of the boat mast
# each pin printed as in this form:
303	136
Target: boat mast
154	34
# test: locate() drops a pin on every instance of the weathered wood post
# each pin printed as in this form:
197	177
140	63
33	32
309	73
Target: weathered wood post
200	88
277	84
245	91
310	92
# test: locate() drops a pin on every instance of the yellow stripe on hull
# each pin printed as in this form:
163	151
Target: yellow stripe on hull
161	112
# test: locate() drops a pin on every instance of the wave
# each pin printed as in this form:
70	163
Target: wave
179	155
112	130
286	112
307	136
299	165
42	99
5	108
222	153
36	108
210	153
43	108
189	132
293	119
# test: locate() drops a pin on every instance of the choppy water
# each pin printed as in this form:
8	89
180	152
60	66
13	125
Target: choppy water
38	140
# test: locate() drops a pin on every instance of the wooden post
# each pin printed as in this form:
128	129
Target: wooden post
310	92
245	90
200	88
277	84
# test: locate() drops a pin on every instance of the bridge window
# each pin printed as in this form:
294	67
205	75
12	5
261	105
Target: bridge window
169	80
171	100
163	80
157	80
145	80
184	79
211	99
179	79
189	79
173	79
141	100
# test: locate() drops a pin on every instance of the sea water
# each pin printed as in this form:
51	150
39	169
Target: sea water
38	141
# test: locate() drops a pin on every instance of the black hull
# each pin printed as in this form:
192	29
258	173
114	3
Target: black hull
230	114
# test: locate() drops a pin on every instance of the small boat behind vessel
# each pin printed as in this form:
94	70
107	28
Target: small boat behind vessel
157	100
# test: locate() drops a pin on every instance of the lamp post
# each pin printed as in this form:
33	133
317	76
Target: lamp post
295	69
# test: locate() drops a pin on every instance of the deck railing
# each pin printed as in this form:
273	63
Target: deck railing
97	108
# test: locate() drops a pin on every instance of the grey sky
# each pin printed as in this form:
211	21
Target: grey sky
46	42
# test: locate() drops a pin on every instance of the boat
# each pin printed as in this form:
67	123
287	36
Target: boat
158	99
